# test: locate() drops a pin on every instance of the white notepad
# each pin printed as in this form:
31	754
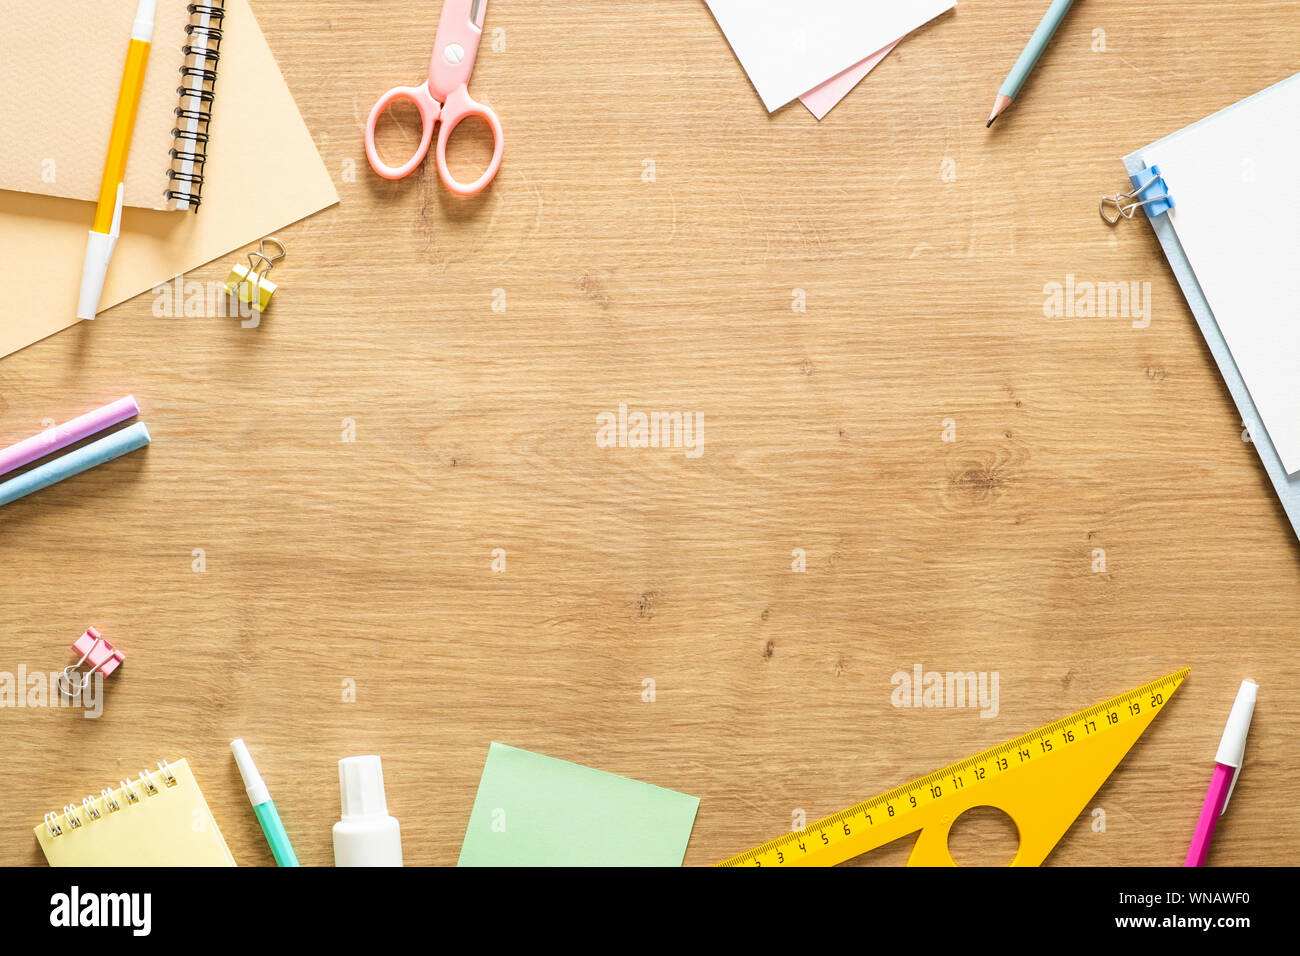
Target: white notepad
1236	188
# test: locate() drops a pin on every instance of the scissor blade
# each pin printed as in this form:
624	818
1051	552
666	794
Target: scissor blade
477	13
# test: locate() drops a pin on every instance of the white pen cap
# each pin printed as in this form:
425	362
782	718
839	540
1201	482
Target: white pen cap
142	29
1233	744
254	786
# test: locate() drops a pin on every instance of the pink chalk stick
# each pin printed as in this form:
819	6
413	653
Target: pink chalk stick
61	436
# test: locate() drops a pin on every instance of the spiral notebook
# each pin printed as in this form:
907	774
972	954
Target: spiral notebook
262	173
60	71
157	818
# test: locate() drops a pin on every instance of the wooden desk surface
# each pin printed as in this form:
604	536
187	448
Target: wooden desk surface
922	243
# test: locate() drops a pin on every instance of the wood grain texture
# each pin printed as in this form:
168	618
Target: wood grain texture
370	561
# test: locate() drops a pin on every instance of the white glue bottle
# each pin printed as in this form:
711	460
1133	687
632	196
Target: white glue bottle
366	835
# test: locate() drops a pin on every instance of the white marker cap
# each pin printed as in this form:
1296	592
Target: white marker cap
142	29
254	786
1232	746
94	270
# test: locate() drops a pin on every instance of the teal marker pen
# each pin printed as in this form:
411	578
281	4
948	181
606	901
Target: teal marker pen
260	797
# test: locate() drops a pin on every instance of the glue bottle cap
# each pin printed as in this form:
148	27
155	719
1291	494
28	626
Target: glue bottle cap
361	787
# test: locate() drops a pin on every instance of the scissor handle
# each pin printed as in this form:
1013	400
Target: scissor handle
460	106
429	109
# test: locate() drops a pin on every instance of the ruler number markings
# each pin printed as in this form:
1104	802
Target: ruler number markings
1080	726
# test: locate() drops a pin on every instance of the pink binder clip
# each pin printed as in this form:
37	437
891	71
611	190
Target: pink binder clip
98	654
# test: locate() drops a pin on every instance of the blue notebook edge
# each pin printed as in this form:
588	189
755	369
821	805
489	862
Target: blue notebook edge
1287	488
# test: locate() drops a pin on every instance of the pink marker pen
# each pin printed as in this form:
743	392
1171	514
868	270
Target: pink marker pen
1227	764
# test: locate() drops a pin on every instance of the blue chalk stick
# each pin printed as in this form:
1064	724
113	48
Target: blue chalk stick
74	463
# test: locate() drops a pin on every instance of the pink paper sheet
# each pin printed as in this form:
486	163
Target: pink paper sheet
820	99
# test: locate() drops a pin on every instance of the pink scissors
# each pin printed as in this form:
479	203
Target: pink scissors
445	96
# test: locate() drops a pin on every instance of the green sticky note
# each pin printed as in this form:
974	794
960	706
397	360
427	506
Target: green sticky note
533	810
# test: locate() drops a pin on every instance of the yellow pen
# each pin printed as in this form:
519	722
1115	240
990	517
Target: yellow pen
108	214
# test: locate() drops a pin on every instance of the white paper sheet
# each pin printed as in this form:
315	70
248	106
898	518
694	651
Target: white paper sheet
1236	189
790	46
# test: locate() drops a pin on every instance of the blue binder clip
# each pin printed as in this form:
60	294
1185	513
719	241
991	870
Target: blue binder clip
1150	194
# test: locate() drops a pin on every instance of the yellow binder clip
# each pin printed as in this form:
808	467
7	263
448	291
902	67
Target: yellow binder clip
249	283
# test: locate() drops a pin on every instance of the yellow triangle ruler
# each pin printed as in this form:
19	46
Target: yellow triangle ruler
1042	780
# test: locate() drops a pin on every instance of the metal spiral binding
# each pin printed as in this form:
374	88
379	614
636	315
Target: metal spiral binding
205	97
189	151
208	33
71	815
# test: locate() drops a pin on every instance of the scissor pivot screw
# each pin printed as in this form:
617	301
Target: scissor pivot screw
453	53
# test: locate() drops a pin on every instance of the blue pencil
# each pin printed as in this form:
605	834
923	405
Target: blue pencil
1029	56
75	462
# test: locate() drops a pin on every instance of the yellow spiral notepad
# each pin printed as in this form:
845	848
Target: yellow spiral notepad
158	818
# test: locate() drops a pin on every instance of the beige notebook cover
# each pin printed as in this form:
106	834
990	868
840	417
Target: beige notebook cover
263	173
158	818
60	66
